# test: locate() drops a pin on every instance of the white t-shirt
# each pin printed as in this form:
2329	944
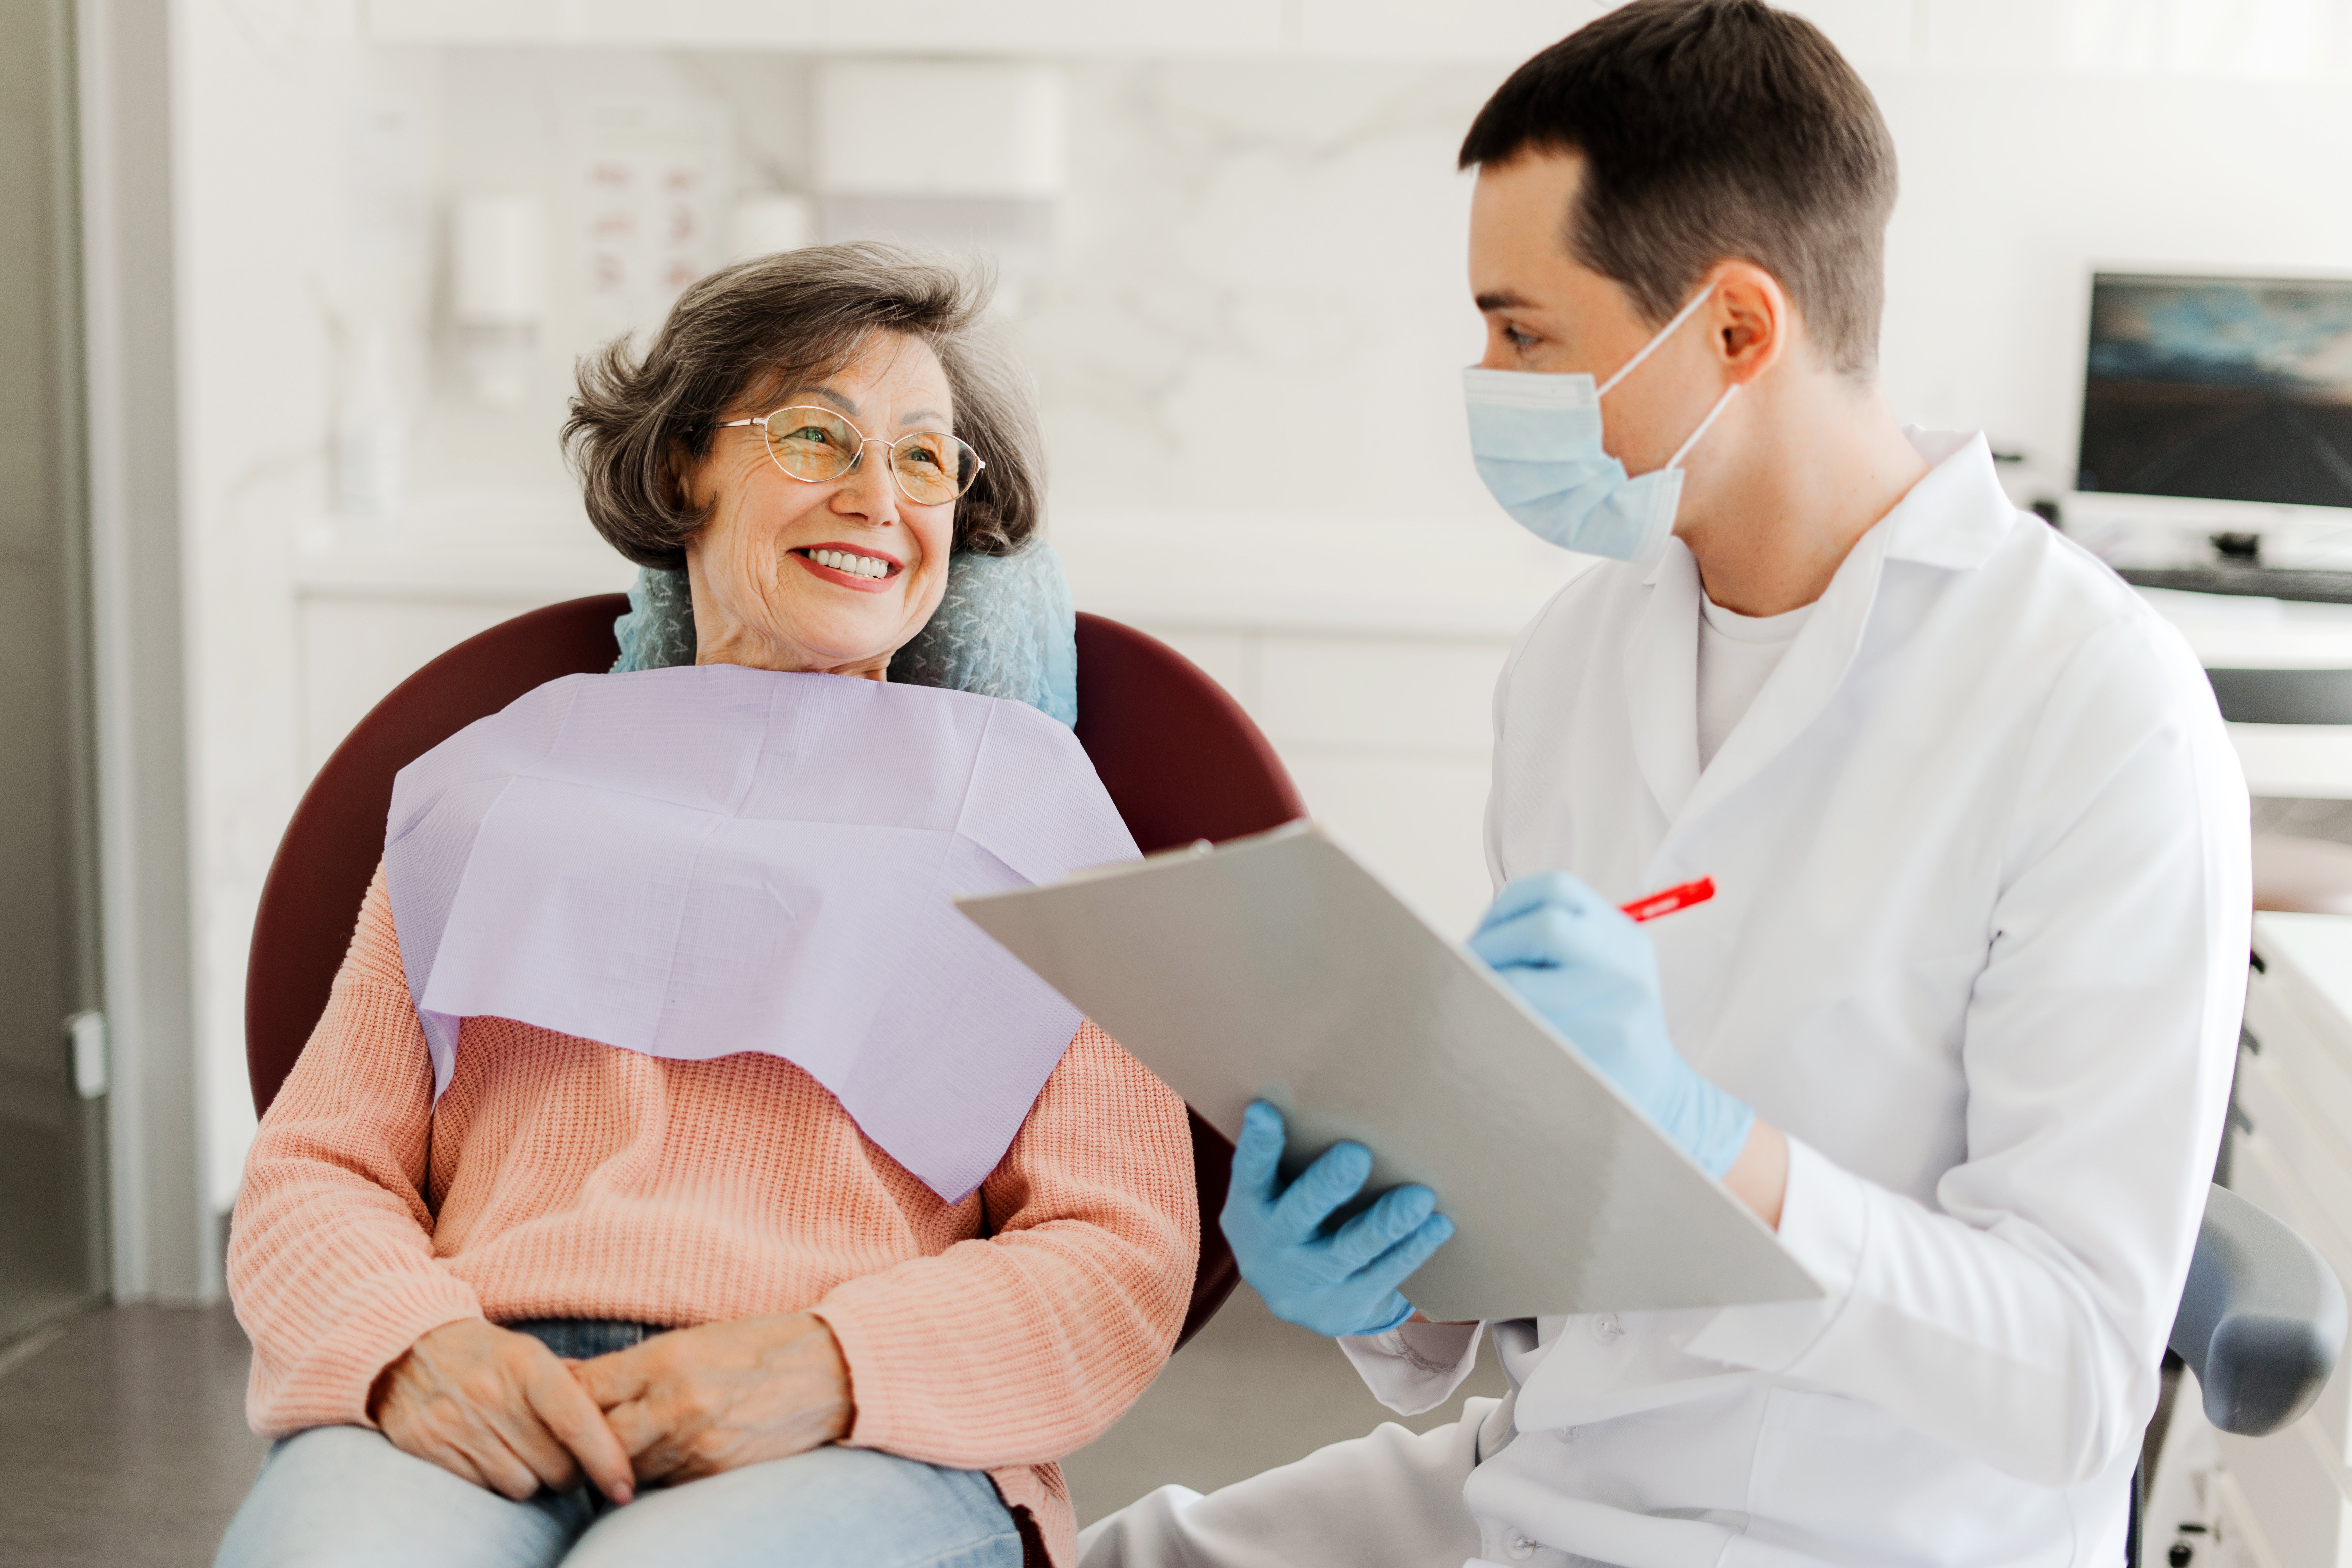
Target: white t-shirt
1736	654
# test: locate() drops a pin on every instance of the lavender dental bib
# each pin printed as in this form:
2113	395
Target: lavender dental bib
697	861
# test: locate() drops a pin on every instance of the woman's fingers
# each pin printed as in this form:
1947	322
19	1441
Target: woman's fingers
655	1448
454	1459
500	1468
615	1377
576	1429
636	1428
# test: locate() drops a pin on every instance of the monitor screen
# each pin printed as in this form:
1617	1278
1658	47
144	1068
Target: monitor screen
2219	388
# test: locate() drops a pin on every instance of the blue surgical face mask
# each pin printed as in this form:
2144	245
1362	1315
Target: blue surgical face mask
1537	441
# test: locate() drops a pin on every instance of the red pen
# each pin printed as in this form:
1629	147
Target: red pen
1673	898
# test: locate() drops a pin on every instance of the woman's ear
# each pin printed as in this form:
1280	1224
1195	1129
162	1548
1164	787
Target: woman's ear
1752	319
682	482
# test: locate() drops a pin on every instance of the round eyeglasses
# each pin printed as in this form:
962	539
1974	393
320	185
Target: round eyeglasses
931	467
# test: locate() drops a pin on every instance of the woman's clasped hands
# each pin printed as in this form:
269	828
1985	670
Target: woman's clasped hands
500	1409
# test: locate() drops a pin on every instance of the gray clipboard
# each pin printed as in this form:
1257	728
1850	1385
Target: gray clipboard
1279	967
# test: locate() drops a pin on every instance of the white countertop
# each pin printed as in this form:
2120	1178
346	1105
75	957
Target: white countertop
2319	949
2232	631
2235	632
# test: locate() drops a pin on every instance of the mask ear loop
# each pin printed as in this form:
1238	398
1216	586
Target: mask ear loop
1652	346
1720	405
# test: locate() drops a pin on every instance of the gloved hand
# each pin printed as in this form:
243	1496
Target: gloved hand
1590	972
1340	1282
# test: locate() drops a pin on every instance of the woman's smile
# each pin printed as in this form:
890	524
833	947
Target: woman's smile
866	570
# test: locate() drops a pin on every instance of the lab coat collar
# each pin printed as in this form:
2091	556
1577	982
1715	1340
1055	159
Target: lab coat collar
1953	517
1662	680
1957	514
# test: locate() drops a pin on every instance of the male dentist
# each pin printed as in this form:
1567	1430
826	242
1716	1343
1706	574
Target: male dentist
1960	1021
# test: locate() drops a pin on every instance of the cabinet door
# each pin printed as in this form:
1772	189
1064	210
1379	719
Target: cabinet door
1055	27
1504	31
49	1136
1868	32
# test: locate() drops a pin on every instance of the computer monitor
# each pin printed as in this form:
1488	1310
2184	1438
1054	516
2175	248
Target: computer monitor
2228	389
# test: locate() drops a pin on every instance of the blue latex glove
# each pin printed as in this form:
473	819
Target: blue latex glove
1341	1282
1589	972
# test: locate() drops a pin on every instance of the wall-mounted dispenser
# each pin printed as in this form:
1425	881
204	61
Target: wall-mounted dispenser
498	266
961	156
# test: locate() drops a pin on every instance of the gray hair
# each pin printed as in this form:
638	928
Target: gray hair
783	320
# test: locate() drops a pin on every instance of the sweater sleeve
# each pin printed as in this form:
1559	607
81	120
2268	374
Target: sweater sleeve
331	1261
1026	1345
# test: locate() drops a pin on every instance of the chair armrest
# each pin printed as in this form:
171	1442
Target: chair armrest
2260	1320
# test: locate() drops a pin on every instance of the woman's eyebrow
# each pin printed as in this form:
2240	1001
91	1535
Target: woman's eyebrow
837	399
931	414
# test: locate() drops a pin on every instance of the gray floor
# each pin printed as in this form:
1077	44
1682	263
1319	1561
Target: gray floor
122	1441
123	1438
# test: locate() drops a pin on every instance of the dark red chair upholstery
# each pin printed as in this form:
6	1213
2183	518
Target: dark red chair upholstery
1179	758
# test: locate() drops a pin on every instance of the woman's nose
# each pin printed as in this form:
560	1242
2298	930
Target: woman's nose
867	491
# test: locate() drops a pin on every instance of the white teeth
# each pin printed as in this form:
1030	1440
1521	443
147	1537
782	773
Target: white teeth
855	565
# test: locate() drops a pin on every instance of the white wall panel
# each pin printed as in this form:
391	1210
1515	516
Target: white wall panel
1407	695
1417	822
355	650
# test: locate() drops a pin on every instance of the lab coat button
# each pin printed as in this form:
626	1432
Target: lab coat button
1607	1328
1565	1434
1519	1546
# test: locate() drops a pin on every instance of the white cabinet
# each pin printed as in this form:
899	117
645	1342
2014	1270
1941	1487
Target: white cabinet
1871	32
1411	29
2204	37
920	27
1055	27
2292	1156
2273	38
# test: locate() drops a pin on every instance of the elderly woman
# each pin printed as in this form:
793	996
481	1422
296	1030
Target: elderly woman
674	1177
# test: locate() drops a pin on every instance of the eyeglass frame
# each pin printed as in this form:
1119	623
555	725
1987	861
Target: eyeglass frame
864	441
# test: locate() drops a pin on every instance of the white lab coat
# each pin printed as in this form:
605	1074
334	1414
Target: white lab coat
1980	949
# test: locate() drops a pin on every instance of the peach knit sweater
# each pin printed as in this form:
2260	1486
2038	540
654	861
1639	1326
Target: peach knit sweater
558	1177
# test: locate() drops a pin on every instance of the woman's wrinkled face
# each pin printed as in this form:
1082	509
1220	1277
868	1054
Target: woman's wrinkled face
833	574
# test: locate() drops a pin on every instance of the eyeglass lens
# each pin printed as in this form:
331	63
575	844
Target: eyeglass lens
931	466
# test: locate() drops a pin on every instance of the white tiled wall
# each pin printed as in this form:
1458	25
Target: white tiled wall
1387	738
355	649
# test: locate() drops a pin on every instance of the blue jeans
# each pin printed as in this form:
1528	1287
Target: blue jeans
343	1497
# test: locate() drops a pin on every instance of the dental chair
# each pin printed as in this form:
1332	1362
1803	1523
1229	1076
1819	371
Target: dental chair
2260	1323
1179	758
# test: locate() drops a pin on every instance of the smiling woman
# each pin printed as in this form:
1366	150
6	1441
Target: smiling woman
912	435
675	1175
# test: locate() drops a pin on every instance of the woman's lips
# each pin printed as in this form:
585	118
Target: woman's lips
868	571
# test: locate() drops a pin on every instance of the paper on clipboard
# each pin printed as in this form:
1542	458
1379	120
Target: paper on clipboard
1279	967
